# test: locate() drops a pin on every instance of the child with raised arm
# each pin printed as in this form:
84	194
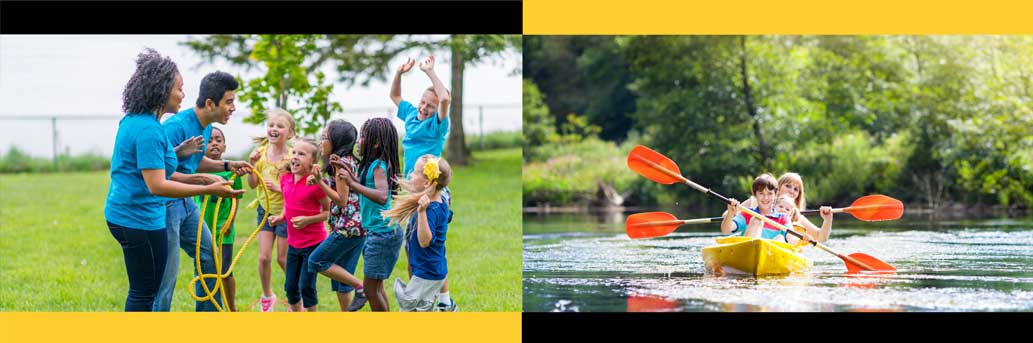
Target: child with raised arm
426	127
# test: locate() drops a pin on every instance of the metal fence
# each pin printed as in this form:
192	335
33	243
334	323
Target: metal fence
474	119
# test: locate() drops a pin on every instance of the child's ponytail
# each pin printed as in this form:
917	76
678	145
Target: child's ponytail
404	206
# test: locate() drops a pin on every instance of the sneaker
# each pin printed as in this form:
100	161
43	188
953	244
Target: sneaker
443	307
268	304
358	301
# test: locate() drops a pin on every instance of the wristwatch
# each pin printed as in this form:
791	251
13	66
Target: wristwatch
226	165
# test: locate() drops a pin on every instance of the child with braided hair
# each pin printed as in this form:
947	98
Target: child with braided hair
375	181
427	216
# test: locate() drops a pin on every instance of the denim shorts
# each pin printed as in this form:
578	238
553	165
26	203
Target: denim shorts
381	253
339	250
278	230
227	258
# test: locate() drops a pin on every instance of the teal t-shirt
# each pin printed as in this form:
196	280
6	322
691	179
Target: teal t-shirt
140	144
179	128
224	209
422	137
371	218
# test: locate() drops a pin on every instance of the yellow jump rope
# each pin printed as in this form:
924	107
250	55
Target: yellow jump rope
217	244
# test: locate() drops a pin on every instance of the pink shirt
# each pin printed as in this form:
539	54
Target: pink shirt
301	199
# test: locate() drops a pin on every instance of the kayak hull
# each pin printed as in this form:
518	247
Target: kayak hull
753	256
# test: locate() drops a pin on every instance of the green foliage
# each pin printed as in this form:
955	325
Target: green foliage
496	140
851	165
588	74
283	58
930	119
17	161
569	172
537	123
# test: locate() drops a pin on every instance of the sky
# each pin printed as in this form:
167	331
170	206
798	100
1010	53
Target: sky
84	75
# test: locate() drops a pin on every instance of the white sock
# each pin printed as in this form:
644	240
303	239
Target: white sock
444	299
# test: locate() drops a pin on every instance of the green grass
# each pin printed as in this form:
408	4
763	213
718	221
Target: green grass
57	253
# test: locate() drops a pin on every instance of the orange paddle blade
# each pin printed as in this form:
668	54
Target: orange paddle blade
875	263
652	165
876	207
651	303
651	224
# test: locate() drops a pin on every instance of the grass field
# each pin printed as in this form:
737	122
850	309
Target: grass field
56	253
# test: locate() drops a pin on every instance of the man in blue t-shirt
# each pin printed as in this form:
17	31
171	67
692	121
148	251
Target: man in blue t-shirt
215	103
426	127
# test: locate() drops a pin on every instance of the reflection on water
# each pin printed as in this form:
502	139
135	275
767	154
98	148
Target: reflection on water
577	262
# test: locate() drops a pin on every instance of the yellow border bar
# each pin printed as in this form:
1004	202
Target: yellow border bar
559	17
260	327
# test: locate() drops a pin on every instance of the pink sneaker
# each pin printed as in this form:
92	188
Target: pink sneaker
268	304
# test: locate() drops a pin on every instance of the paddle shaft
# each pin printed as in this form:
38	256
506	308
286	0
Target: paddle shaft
675	222
686	181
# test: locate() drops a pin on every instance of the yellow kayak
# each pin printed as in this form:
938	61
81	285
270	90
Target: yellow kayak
753	256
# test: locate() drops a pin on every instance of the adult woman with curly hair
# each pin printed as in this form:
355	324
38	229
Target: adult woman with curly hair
141	164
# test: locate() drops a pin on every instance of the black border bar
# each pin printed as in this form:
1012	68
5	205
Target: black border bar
261	17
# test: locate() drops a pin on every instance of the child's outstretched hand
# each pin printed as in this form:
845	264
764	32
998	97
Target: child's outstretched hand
221	189
424	203
190	146
336	161
272	186
275	220
254	157
427	64
346	175
405	67
313	176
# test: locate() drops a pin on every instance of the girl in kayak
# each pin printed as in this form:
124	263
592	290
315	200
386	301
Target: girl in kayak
791	185
764	188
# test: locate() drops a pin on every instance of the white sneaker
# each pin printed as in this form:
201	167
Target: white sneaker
443	307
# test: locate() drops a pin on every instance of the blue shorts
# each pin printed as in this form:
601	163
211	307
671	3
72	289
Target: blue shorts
279	230
339	250
227	258
381	253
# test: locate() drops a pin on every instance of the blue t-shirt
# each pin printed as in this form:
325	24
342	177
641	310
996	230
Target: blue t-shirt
372	220
421	137
139	144
767	231
429	263
184	125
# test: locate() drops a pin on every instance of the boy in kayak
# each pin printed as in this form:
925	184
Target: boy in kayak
764	187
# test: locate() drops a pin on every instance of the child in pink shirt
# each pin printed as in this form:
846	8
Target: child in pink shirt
305	208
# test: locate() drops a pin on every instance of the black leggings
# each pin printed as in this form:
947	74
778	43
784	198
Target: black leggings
145	252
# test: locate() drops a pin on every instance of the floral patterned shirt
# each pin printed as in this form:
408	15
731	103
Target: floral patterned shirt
347	220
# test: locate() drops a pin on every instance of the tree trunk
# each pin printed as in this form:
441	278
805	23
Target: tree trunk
762	145
456	151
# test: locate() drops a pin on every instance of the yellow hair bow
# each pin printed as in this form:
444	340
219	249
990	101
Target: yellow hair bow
430	169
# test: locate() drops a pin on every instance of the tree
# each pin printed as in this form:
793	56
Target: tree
468	50
290	61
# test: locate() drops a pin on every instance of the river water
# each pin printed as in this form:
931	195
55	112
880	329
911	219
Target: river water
586	263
